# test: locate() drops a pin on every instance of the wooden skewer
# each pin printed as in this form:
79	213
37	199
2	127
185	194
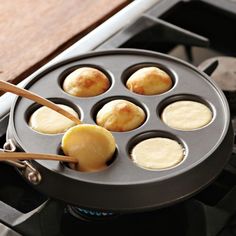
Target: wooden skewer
8	87
6	156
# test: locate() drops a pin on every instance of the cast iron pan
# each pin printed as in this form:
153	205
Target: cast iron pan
123	186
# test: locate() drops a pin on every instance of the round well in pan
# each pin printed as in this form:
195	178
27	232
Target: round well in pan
47	121
150	150
150	82
119	114
186	112
85	81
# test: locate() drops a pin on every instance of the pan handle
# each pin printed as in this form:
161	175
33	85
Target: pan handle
41	221
24	167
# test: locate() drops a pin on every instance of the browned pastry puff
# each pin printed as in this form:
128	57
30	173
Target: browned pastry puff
149	81
120	115
86	82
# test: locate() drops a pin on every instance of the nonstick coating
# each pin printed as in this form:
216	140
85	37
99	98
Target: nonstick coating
124	186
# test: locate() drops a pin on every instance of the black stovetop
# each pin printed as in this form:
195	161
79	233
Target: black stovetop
193	31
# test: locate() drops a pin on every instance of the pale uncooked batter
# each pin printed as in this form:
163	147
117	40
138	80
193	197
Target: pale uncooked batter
157	153
186	115
91	144
48	121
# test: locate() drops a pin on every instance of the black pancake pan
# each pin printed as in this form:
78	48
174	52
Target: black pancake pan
124	186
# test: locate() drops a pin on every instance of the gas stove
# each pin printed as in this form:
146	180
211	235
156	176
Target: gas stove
202	33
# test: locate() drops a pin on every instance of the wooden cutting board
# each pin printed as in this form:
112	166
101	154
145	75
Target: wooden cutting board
33	32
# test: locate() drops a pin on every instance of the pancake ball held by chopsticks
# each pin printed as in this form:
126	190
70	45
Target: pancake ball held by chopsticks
93	145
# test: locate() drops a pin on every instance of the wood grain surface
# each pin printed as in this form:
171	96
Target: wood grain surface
33	32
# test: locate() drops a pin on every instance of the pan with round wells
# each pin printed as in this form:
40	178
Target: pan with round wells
126	185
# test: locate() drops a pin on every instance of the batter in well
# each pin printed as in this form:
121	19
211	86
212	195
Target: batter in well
48	121
186	115
157	153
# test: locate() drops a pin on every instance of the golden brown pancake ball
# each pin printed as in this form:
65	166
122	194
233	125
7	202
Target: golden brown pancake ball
149	81
86	82
120	115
